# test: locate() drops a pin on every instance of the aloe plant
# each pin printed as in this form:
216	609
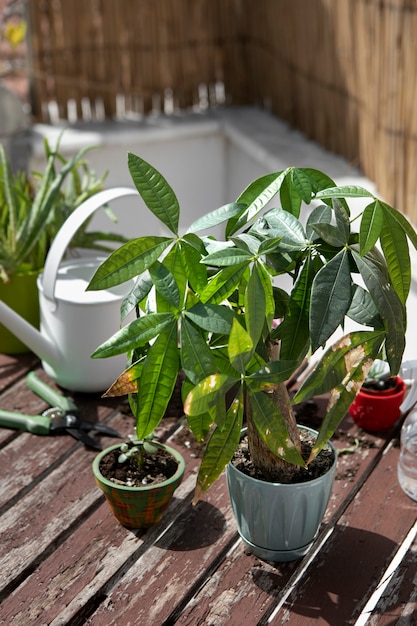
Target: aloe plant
33	208
216	310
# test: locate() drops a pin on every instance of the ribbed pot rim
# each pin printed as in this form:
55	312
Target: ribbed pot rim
179	472
290	485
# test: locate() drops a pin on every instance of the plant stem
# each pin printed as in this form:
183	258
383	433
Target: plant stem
272	466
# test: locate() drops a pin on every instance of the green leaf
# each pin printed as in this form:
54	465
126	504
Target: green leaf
200	425
290	199
214	318
281	299
370	228
255	197
342	219
346	191
395	247
302	184
216	217
205	395
133	335
247	242
155	192
196	242
139	291
272	373
195	271
255	304
362	309
240	347
389	307
270	425
318	179
294	330
402	222
226	257
266	282
165	284
220	447
197	359
330	299
331	234
288	228
43	203
157	382
218	414
349	352
174	262
319	215
128	261
222	285
335	412
269	246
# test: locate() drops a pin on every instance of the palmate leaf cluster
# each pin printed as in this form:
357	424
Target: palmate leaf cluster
34	206
213	308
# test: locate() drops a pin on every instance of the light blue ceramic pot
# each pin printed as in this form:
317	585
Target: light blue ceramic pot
279	522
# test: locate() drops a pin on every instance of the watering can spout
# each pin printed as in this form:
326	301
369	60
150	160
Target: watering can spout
41	345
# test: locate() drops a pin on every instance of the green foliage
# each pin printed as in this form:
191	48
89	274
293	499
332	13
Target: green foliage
34	207
210	308
135	450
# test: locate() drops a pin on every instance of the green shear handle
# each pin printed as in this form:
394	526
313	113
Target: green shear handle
52	397
61	418
36	424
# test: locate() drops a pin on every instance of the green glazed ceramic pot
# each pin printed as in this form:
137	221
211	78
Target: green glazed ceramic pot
279	522
139	507
21	295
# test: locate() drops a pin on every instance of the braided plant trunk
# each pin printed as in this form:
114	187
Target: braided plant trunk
272	467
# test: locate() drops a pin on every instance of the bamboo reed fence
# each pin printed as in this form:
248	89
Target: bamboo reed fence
342	71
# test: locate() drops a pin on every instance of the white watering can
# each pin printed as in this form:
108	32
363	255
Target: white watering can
74	322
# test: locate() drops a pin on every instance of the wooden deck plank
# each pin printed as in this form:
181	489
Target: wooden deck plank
13	367
84	565
370	530
260	585
71	563
34	525
80	571
21	399
58	498
28	457
398	601
159	582
239	592
238	601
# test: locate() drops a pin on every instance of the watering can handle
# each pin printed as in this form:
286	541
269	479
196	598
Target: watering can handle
68	230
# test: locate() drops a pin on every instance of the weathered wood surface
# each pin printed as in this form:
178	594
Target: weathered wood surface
65	560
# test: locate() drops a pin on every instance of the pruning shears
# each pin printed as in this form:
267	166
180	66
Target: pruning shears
61	418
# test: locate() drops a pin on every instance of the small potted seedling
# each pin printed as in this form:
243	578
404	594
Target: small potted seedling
138	479
377	406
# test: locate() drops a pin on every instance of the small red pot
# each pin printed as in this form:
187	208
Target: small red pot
378	411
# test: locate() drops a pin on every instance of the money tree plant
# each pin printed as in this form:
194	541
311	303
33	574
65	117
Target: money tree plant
220	311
